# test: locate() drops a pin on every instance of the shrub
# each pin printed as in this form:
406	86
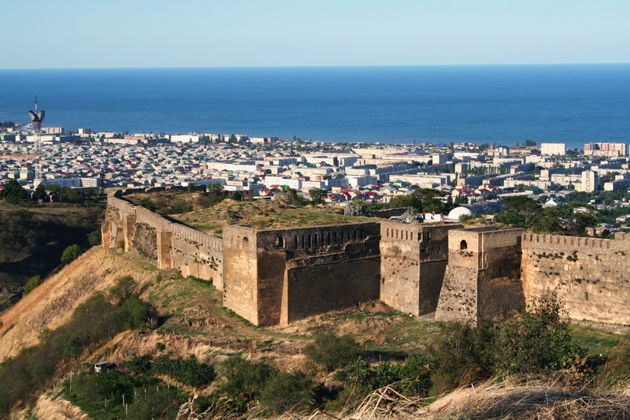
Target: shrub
125	286
71	253
138	364
101	396
92	323
243	381
536	341
31	284
287	392
333	352
187	371
464	354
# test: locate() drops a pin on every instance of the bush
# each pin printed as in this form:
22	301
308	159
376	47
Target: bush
31	284
287	392
101	396
243	381
93	323
413	376
333	352
536	341
71	253
187	371
464	354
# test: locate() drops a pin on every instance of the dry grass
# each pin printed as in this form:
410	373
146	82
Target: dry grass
263	214
500	400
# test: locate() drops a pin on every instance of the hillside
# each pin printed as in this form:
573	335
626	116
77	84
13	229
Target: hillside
193	323
33	238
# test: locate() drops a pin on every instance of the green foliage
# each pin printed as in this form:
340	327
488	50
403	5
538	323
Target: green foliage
539	340
413	375
13	192
93	323
101	396
523	212
421	200
214	195
94	237
187	371
318	196
31	284
331	351
124	288
287	392
464	354
243	381
40	193
20	231
138	364
71	253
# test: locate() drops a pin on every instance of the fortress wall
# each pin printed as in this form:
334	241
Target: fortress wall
333	276
240	272
289	274
482	276
167	244
590	276
198	254
413	262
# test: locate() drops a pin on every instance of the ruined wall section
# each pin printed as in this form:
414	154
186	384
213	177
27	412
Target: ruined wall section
590	276
413	262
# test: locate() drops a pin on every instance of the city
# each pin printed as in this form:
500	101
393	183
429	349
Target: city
468	175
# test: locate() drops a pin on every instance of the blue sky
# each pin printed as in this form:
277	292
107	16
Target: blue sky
183	33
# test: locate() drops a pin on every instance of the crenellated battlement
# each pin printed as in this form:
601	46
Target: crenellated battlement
276	276
559	242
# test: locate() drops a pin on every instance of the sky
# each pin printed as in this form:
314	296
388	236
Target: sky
209	33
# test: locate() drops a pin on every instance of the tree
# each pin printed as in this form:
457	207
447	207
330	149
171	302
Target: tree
530	143
31	284
71	253
40	192
318	196
421	200
13	192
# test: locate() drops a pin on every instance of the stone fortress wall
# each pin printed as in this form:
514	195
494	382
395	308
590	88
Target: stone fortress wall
413	262
295	273
166	244
277	276
482	278
591	276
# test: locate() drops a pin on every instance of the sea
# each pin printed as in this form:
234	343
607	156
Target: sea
504	104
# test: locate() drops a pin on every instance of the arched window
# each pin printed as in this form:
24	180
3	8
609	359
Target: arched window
245	243
279	242
463	245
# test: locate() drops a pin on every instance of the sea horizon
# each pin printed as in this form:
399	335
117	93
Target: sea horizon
501	103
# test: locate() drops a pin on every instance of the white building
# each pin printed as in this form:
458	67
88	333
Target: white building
185	138
553	149
590	181
605	149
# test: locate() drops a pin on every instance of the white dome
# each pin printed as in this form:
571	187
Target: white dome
458	212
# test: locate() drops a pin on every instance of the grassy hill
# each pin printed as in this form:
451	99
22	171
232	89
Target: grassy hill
239	369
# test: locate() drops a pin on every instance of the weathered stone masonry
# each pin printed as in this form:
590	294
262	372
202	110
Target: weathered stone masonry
591	276
167	244
295	273
277	276
413	261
